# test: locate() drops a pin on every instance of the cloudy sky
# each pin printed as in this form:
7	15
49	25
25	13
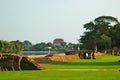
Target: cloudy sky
44	20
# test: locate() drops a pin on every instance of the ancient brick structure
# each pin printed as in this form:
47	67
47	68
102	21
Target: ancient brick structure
83	54
17	62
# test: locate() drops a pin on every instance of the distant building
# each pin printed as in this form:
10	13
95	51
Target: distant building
58	41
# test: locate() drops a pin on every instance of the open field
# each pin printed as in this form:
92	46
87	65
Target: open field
101	62
59	75
105	67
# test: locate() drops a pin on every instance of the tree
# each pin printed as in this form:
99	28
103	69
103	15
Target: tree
98	31
105	42
10	47
39	47
49	44
108	20
115	35
88	40
27	45
18	47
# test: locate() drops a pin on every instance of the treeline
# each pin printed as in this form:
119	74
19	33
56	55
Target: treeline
17	46
101	33
28	46
10	47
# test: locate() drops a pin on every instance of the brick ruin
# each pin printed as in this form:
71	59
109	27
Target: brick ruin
83	54
10	62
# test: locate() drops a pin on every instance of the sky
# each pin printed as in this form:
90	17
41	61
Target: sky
44	20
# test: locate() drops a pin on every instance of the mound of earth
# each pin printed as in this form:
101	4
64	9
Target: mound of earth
59	57
55	57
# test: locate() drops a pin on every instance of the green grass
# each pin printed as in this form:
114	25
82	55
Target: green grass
101	62
59	75
57	70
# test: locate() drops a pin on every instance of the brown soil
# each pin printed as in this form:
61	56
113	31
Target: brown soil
55	57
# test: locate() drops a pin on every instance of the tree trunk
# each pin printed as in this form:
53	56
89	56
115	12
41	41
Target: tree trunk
95	48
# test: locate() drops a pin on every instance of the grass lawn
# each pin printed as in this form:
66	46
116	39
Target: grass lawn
101	62
70	70
59	75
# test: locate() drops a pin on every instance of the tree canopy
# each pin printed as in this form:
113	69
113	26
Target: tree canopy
28	46
10	47
101	33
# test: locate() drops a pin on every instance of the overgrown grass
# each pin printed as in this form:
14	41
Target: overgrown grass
101	62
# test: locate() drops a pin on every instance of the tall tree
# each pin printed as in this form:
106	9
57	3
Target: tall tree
104	42
115	35
98	30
